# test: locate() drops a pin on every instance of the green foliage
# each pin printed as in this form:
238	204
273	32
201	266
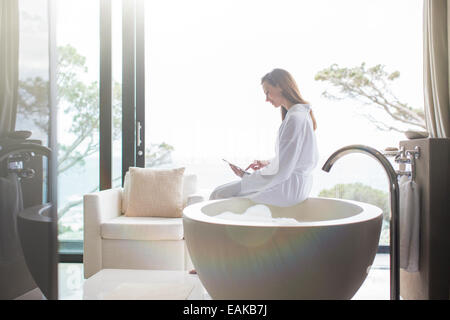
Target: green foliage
79	101
360	192
64	228
371	86
158	154
32	102
76	98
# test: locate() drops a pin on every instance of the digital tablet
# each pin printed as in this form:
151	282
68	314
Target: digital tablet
236	166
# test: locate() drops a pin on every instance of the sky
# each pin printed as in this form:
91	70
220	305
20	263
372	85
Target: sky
206	58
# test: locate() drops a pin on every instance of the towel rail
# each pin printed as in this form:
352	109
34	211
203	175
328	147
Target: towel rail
403	157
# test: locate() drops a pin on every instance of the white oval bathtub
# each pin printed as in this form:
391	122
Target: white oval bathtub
319	249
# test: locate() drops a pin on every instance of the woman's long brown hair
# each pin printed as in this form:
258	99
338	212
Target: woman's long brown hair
283	79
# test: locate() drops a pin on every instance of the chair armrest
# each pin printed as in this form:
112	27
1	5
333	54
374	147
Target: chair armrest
102	205
98	207
194	198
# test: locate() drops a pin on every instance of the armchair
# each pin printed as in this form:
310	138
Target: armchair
113	240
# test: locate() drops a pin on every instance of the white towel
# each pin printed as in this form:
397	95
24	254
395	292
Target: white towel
409	224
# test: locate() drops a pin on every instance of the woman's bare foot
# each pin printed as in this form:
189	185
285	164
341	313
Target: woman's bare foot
193	271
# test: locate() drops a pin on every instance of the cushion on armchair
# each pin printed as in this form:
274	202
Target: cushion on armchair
189	188
125	192
155	192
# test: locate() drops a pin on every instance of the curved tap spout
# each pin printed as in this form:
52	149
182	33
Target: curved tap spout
394	200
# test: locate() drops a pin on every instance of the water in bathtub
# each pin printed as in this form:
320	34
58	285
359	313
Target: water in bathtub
256	213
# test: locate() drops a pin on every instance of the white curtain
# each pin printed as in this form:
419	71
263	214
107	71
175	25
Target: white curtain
436	67
9	64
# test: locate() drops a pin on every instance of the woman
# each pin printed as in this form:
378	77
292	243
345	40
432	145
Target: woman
286	179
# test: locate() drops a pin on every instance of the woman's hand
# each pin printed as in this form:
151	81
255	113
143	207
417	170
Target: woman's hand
258	164
237	171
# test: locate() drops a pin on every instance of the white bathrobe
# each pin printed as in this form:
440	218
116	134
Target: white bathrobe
287	180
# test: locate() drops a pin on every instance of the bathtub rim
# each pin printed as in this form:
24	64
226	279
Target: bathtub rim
369	212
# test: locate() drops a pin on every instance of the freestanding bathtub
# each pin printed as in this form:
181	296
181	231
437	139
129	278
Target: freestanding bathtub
325	254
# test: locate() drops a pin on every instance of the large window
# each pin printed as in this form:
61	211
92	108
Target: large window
79	111
32	108
77	26
204	102
116	55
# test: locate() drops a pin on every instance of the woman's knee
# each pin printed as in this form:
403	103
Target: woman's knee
217	194
225	191
213	196
221	193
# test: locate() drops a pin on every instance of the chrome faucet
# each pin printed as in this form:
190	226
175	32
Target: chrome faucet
394	235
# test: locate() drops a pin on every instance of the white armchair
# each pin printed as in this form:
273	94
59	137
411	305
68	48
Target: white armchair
114	241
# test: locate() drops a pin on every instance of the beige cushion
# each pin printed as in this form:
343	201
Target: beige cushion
142	228
125	192
155	192
189	187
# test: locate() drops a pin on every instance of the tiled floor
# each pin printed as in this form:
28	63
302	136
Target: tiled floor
375	287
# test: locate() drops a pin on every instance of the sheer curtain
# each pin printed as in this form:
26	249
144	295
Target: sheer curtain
9	64
436	67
